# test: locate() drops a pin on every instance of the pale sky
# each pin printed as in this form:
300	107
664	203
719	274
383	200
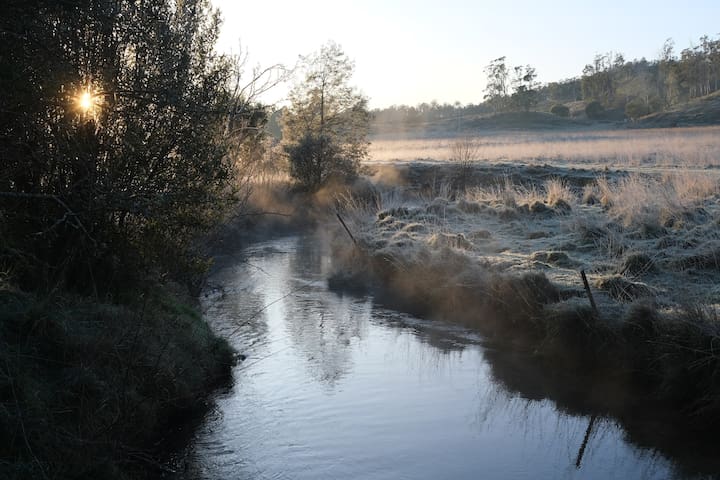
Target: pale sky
408	52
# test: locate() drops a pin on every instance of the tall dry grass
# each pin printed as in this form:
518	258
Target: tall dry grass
553	192
689	147
639	200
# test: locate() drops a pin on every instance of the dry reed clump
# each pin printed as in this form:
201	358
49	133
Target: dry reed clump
559	195
622	289
637	264
651	205
448	240
555	196
680	353
471	207
575	333
708	258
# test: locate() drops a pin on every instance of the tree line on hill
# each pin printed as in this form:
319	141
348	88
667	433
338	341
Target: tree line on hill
610	87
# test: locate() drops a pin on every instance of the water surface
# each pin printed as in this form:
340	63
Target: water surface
338	387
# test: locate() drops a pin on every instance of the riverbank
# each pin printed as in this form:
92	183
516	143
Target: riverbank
505	259
88	386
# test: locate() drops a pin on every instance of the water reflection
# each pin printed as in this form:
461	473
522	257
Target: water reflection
338	387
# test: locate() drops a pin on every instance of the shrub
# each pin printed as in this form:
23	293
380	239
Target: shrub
317	158
465	151
636	108
594	110
560	110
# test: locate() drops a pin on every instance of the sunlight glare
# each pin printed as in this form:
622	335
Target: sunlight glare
86	101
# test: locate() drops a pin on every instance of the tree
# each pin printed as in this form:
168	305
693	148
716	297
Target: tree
325	127
113	139
525	95
597	80
594	110
668	73
496	90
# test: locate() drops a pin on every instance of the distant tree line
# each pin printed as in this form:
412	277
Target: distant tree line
608	83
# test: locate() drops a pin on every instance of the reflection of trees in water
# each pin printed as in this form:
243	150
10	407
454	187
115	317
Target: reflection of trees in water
322	326
234	304
311	258
437	336
523	383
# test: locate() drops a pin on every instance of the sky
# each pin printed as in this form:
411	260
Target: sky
409	52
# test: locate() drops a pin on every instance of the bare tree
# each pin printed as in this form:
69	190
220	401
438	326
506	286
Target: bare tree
465	152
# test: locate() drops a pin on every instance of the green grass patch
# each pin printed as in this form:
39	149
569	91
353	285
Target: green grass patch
85	386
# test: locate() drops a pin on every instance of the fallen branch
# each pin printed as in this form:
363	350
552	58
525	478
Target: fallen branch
589	293
346	229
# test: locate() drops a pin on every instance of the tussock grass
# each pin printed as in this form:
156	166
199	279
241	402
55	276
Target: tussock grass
558	194
652	204
433	272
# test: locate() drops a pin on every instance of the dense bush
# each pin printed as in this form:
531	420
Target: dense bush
594	110
560	110
314	159
112	140
115	142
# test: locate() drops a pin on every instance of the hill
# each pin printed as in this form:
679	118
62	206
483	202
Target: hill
700	111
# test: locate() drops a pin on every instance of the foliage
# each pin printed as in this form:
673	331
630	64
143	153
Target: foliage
326	125
609	79
525	95
594	110
314	159
496	90
560	110
79	378
597	79
92	194
637	108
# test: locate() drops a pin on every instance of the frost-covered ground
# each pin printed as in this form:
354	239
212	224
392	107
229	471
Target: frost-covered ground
651	235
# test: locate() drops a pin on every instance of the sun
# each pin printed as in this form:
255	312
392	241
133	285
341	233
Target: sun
86	101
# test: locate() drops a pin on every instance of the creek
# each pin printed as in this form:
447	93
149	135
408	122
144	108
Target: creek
338	386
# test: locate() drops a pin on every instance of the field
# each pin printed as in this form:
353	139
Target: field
697	147
498	240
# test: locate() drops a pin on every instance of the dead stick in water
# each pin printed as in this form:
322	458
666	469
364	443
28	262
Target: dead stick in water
589	293
583	446
346	228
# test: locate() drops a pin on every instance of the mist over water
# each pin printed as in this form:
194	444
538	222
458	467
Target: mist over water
340	387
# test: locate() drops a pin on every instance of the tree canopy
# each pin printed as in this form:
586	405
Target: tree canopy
326	125
111	135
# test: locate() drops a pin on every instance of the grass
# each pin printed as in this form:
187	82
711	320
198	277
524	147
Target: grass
654	203
86	386
697	147
426	254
